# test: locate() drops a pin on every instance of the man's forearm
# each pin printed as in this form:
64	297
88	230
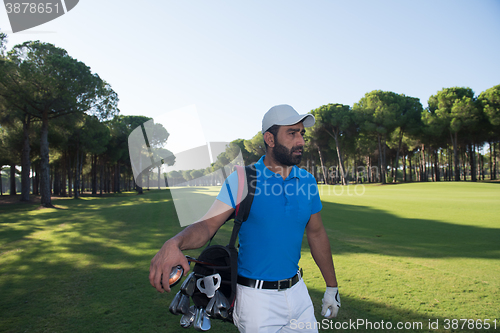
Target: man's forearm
322	255
192	237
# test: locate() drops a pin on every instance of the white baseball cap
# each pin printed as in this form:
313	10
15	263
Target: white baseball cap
285	115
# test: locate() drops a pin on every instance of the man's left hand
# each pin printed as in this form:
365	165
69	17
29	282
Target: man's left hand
331	301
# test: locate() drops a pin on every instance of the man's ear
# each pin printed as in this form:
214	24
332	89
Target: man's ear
269	139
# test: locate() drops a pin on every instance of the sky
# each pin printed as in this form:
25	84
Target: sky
233	60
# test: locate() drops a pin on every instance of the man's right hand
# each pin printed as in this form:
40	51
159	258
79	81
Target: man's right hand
192	237
162	263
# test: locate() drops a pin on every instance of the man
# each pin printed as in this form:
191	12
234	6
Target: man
271	295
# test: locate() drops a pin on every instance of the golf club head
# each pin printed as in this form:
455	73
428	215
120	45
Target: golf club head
210	306
201	321
189	285
221	305
206	324
220	313
175	275
198	319
175	303
209	284
188	318
183	305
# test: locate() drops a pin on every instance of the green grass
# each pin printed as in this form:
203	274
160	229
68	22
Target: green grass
414	252
410	253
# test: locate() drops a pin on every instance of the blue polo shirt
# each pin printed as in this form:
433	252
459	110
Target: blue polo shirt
271	239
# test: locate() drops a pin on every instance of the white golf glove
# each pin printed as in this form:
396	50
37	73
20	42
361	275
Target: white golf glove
331	302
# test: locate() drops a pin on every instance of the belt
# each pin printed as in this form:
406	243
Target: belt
279	285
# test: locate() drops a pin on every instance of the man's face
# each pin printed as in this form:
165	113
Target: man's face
289	144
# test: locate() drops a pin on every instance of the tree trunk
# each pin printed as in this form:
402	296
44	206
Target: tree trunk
101	177
384	160
464	162
44	162
12	179
117	177
56	181
159	168
76	188
494	162
70	176
323	170
25	160
63	174
472	161
93	161
454	139
450	167
409	162
437	176
381	160
481	158
433	171
339	155
367	172
404	166
423	163
80	173
392	168
36	179
397	155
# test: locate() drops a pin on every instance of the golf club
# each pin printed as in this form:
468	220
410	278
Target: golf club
201	321
175	276
188	318
183	305
210	306
175	303
189	285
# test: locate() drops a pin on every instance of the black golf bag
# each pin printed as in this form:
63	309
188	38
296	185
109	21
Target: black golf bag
217	265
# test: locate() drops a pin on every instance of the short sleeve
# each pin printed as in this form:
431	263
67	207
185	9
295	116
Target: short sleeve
229	190
316	204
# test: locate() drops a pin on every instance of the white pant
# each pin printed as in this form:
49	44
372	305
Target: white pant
271	311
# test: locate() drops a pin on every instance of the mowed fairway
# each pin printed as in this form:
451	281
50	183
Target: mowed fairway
409	253
415	252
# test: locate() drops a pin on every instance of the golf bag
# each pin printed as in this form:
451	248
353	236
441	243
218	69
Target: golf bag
212	284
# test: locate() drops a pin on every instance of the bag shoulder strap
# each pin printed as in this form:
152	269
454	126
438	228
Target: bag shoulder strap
243	207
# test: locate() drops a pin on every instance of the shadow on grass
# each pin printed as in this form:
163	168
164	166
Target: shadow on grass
85	268
357	229
367	316
91	275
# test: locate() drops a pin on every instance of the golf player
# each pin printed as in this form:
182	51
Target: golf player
271	295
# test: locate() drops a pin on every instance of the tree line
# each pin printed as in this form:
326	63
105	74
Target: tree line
50	100
388	137
46	96
407	142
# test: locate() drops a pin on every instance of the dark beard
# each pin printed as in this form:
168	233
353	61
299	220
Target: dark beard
284	156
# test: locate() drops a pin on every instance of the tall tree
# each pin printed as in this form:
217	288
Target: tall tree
408	122
256	145
12	139
118	150
248	157
455	109
335	120
377	113
489	101
12	108
54	84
